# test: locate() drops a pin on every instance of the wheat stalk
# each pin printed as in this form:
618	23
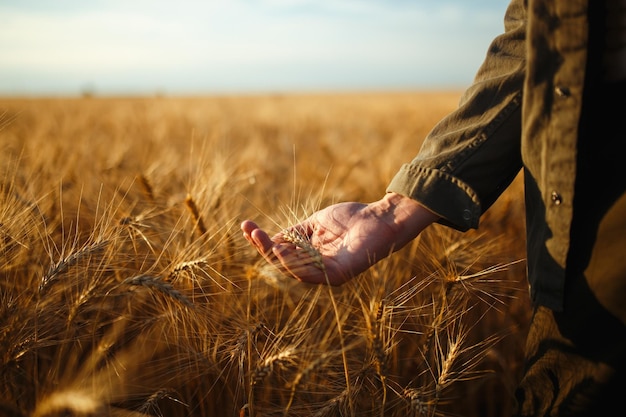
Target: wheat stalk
187	266
147	186
331	406
158	284
150	405
67	262
304	374
304	242
419	404
241	350
195	213
266	367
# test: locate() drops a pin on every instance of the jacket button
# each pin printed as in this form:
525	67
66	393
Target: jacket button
562	91
467	214
556	198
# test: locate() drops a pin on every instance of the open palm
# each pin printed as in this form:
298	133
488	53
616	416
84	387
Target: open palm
336	243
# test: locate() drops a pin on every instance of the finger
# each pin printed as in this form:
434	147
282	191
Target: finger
247	226
261	240
302	266
256	236
267	246
298	264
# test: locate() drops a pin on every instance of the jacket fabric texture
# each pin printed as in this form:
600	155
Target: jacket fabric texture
549	99
525	110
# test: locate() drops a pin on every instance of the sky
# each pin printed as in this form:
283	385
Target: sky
65	47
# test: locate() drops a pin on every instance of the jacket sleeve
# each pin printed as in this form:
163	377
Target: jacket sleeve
472	155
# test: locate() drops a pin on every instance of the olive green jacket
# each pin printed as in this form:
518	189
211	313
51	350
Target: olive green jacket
522	110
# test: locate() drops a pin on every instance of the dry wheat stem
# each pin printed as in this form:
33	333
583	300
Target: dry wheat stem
304	375
304	242
332	405
150	406
378	344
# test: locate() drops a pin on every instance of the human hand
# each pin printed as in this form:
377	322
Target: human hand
342	240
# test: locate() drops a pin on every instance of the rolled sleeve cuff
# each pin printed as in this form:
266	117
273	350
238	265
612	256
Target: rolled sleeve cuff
445	195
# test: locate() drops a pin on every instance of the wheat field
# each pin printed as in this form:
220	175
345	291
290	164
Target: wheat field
128	290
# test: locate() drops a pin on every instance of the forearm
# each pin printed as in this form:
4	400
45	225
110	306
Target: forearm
473	154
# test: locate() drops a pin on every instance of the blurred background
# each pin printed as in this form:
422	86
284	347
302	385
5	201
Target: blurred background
72	47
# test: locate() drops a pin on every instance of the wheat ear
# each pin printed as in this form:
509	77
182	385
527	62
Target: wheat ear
418	404
187	266
160	285
147	186
195	213
303	242
266	367
67	262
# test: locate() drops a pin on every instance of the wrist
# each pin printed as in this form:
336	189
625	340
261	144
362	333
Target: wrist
405	215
